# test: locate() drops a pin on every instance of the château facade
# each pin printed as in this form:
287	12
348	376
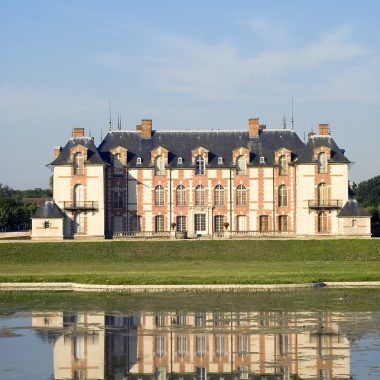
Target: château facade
256	182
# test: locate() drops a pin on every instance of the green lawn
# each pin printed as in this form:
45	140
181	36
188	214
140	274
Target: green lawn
192	262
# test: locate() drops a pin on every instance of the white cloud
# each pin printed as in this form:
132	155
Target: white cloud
221	72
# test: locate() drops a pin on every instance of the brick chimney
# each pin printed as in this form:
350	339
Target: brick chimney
253	127
324	129
78	132
57	151
146	128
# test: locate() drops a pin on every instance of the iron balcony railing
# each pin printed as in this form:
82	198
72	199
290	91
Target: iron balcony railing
81	205
332	203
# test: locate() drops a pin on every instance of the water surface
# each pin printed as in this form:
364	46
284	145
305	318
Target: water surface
311	334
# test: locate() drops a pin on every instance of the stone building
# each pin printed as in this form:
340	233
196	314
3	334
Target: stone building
256	182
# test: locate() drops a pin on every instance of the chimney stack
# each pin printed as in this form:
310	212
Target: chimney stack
253	127
146	128
324	129
57	151
78	132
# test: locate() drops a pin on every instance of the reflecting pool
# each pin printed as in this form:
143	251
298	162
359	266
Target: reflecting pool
316	335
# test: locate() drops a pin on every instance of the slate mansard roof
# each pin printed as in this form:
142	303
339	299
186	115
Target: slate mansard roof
48	211
219	144
93	156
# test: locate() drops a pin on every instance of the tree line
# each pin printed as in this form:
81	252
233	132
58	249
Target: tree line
15	212
368	195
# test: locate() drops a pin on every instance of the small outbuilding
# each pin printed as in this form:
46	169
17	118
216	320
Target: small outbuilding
353	219
47	222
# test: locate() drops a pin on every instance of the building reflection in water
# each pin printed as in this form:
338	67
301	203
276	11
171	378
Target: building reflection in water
251	345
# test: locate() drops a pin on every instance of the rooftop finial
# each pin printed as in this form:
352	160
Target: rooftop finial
292	115
110	121
284	122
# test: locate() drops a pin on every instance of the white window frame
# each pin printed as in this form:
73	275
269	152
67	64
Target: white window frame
241	196
200	196
159	196
159	223
181	223
200	165
180	196
159	165
241	165
218	223
282	196
220	160
219	196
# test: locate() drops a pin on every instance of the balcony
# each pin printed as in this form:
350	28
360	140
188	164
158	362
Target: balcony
81	206
328	204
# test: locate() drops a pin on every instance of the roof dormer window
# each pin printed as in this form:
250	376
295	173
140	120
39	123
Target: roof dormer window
262	160
180	161
220	160
138	161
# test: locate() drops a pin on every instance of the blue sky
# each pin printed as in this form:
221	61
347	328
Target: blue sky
187	65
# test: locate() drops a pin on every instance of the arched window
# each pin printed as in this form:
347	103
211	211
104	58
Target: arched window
219	196
78	196
117	165
200	165
322	194
181	196
322	163
159	196
241	166
282	196
283	165
199	196
117	197
159	166
78	164
241	196
322	221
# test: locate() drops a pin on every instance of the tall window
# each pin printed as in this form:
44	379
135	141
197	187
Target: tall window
200	222
264	223
322	163
159	223
78	223
181	223
181	196
200	165
218	223
117	165
201	373
283	223
199	196
181	345
160	345
218	196
241	165
159	166
117	197
241	222
282	196
159	196
136	223
201	345
220	345
117	224
283	165
78	164
78	195
322	221
241	196
242	344
322	194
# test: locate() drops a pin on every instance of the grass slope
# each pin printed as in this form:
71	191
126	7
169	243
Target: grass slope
192	262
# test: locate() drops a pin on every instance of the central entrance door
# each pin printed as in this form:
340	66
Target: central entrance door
200	224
